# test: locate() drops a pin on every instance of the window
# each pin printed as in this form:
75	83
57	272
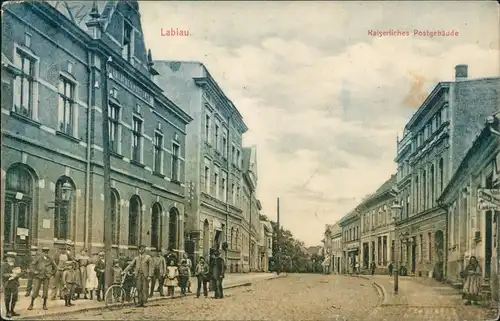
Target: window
114	123
429	244
432	182
441	174
115	217
134	215
207	175
207	128
62	210
224	146
217	147
237	195
238	158
424	190
127	41
216	181
233	154
224	186
136	139
24	82
438	119
175	162
233	194
27	39
158	153
66	106
417	195
421	247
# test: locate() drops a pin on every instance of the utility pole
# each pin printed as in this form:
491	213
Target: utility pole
278	236
107	177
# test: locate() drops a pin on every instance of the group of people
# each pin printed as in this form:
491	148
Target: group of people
72	276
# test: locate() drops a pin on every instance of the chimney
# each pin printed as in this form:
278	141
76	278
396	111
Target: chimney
461	72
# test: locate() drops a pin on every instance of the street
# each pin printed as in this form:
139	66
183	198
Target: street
294	297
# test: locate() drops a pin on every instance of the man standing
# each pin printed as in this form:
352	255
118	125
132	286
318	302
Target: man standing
159	270
29	286
43	268
190	266
100	268
10	276
143	268
60	260
218	275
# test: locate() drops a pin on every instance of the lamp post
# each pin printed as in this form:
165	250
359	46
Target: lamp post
396	209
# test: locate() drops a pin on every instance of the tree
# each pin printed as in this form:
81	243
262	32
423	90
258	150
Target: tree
294	257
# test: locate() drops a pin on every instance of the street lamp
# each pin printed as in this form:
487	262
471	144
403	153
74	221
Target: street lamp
66	191
396	208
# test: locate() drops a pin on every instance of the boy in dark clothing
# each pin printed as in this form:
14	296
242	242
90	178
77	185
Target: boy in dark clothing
69	282
202	274
100	266
10	276
183	276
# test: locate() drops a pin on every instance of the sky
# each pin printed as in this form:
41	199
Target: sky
323	99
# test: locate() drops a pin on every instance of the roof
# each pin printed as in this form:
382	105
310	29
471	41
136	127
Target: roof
386	187
427	102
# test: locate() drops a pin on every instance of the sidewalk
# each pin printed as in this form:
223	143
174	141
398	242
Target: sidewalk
57	306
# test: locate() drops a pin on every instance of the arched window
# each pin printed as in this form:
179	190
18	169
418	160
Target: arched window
156	226
134	216
18	206
115	217
63	207
441	174
172	228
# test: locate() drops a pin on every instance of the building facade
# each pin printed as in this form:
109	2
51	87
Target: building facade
60	68
377	227
473	222
435	140
265	245
333	248
214	164
351	235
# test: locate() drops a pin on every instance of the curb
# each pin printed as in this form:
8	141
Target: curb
150	300
382	291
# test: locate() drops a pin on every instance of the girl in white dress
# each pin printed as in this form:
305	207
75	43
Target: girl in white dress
91	282
171	279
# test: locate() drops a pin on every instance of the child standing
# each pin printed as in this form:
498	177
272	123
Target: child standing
183	276
10	276
129	281
202	273
91	283
171	279
69	281
117	277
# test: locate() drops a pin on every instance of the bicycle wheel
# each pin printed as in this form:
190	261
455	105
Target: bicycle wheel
114	297
134	295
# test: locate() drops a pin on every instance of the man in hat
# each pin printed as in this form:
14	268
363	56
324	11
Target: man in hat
33	254
43	268
60	260
218	274
143	268
159	270
100	268
10	276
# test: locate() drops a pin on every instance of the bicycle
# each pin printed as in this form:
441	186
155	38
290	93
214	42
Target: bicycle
116	295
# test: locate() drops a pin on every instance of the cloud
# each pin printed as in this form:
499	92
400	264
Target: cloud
318	93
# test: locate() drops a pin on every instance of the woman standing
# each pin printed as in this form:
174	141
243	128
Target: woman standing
171	278
91	277
472	285
82	260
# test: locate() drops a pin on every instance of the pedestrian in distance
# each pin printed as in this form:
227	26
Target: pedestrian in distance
91	283
83	260
190	266
64	254
171	277
43	268
143	269
10	275
202	275
100	268
472	285
159	270
373	267
69	279
218	275
390	268
29	273
183	276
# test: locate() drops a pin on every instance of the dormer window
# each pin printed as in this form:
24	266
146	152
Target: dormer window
127	41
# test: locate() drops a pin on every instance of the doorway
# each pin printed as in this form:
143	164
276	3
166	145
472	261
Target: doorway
413	254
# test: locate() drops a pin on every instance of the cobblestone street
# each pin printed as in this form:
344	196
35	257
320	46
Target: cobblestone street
295	297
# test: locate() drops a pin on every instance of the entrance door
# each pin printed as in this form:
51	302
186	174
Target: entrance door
413	256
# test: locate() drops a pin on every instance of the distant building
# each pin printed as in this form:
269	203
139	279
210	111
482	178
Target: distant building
53	55
214	160
333	248
351	236
377	227
435	141
265	245
473	221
